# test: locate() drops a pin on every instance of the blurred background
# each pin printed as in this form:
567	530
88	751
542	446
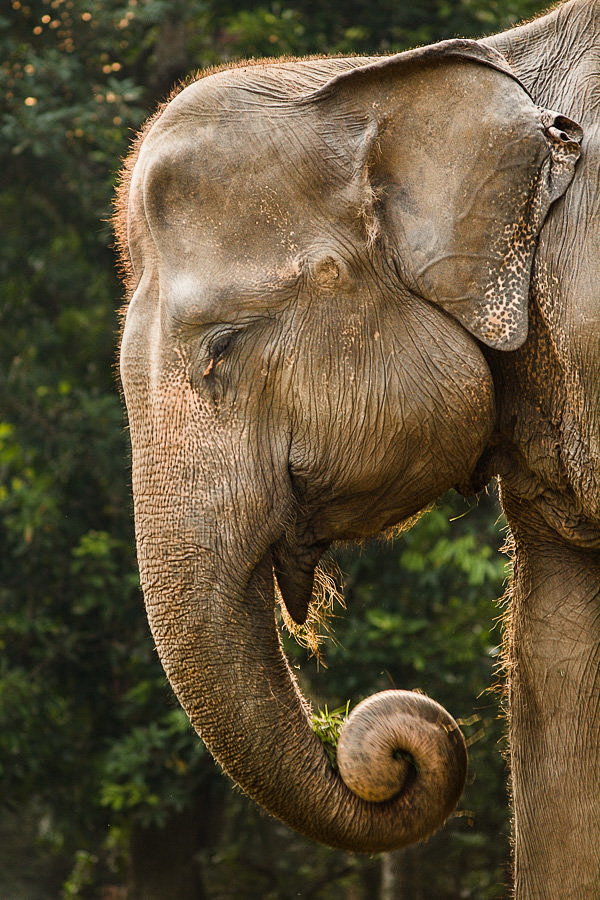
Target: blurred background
105	791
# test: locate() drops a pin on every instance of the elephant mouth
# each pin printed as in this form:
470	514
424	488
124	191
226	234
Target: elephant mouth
294	568
296	554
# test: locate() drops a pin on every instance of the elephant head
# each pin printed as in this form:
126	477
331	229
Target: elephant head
317	249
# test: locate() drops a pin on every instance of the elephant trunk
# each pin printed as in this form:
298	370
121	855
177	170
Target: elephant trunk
221	651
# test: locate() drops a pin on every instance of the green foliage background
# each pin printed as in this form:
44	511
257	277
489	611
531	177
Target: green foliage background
102	778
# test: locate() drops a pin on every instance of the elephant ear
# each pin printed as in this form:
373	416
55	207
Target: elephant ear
462	168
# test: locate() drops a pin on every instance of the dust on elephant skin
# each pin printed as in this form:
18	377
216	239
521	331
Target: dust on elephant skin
329	270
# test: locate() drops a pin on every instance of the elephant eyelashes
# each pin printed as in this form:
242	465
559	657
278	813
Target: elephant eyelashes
218	349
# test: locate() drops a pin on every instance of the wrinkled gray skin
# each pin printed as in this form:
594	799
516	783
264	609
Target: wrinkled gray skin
330	270
546	448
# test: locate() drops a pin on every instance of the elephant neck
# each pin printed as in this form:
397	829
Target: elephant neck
548	66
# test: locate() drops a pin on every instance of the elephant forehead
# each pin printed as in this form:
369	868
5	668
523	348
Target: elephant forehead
235	214
204	295
262	170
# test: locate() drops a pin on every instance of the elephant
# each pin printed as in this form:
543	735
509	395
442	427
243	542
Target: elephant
354	283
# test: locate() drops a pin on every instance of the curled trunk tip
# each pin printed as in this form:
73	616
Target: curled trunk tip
402	744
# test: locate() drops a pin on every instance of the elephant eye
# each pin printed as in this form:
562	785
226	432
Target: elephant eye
221	344
217	350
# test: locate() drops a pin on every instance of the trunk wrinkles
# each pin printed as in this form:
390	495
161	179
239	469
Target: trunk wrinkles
224	660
